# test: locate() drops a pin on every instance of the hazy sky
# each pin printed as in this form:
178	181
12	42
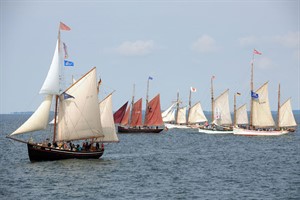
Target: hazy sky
178	43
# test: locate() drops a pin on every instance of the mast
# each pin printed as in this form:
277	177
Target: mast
147	97
132	102
177	108
55	118
251	88
278	108
56	96
212	99
190	105
234	110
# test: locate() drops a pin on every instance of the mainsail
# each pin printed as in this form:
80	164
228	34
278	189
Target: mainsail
286	116
107	120
79	117
221	105
153	116
262	116
241	115
196	114
181	118
136	115
125	120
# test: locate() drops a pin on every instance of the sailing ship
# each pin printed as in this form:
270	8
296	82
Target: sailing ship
175	117
131	121
221	122
78	116
261	120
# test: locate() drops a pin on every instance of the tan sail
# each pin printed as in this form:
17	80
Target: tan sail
169	114
196	114
79	117
38	120
222	111
107	120
241	115
181	119
286	116
262	116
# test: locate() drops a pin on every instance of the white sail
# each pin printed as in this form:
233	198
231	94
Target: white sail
241	115
51	83
196	114
222	110
262	116
79	117
39	119
107	120
169	114
286	116
181	119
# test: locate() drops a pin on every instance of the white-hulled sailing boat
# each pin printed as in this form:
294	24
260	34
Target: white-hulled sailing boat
261	120
77	116
221	116
175	117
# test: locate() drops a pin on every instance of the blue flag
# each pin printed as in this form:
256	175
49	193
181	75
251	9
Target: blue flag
67	96
150	78
254	95
68	63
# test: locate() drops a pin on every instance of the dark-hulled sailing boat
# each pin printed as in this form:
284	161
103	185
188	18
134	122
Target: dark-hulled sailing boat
132	119
77	116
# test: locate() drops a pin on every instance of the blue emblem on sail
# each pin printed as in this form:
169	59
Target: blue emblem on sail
68	63
67	96
254	95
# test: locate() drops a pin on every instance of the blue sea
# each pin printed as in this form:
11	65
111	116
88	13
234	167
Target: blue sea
177	164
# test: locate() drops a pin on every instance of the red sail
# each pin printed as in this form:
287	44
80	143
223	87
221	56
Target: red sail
119	114
136	115
153	113
125	119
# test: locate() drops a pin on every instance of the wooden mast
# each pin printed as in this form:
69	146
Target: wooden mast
278	108
190	105
212	99
147	97
234	110
177	109
56	96
132	102
251	88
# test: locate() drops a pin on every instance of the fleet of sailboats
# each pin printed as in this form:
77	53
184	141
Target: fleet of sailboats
81	116
179	117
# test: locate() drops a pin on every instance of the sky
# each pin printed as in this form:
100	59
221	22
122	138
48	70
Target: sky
181	44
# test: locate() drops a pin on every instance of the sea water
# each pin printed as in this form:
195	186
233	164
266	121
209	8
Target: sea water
177	164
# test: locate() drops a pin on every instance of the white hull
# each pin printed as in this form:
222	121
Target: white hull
246	132
210	131
170	126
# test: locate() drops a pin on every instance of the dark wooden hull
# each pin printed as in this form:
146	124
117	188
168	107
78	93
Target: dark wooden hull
40	153
122	129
